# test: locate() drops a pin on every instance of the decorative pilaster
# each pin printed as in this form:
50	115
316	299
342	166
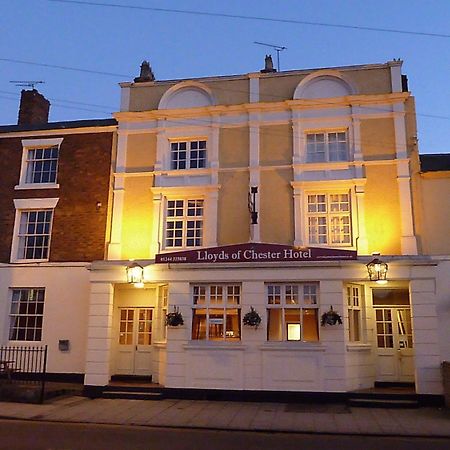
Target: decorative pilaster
98	354
362	243
255	176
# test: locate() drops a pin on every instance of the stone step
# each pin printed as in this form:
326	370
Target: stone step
382	403
133	395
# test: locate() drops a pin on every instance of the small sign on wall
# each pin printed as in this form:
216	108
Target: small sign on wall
64	345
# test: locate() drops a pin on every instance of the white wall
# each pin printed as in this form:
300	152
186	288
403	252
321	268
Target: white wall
65	310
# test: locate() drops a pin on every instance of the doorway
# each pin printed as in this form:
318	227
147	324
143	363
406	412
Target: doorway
134	341
394	335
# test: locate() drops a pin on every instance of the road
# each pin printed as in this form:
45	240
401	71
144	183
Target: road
23	435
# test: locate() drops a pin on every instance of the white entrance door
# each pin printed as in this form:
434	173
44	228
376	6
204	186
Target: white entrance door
134	353
395	353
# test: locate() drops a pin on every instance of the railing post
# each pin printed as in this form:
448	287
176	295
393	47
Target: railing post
43	372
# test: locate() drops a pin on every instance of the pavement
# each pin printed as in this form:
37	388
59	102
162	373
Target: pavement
249	416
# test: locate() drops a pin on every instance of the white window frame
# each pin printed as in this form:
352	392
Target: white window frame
355	297
184	219
30	204
327	143
210	293
188	161
329	215
286	305
30	144
28	314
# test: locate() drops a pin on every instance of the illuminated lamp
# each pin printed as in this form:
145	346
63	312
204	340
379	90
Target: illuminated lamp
377	271
135	275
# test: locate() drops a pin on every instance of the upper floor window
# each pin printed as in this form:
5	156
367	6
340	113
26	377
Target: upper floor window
184	223
293	313
32	229
27	310
326	146
216	313
34	234
39	163
188	154
329	219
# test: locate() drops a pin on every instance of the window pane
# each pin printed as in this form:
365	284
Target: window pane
233	322
275	324
216	324
310	325
293	324
199	324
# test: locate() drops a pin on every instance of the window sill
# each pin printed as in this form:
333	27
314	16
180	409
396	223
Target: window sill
27	261
162	344
293	345
214	345
358	347
36	186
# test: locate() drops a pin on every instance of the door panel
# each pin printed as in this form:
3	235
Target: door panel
395	354
134	341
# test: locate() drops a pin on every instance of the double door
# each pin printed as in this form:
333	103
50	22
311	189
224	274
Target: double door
134	341
394	341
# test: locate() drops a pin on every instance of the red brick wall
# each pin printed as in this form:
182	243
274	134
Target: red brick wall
79	229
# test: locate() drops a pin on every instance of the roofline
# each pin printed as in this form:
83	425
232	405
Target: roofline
59	126
263	75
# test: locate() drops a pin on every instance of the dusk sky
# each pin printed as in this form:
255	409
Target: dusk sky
37	35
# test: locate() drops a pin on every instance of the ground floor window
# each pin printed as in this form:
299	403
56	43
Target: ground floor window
216	313
26	315
293	312
354	301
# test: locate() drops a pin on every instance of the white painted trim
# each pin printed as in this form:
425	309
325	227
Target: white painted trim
396	77
254	88
189	84
49	142
35	203
125	98
19	187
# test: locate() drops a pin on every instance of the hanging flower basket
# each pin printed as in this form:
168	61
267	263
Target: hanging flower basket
174	318
252	318
331	317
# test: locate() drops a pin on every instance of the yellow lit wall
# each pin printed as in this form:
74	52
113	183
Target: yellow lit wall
141	152
137	218
277	206
233	215
382	210
234	147
275	145
378	139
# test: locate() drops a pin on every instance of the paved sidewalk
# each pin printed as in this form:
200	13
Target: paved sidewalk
306	418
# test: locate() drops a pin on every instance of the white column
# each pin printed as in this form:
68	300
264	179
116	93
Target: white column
255	178
115	243
408	238
158	225
98	355
362	244
210	223
254	87
299	235
396	76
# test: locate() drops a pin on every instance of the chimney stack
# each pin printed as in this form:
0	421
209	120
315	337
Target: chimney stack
34	108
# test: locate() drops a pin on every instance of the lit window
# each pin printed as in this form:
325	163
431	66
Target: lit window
187	155
216	313
292	311
27	310
321	147
184	223
34	234
354	312
329	219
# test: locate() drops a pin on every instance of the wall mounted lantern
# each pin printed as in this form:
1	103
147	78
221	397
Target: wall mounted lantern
252	204
135	275
377	271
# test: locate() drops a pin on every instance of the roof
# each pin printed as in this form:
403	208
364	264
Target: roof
58	125
435	162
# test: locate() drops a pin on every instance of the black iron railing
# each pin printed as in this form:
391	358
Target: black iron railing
25	364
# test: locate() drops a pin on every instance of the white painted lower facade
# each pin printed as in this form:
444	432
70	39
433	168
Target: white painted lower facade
332	364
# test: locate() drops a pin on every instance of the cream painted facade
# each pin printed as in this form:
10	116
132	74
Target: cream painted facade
257	130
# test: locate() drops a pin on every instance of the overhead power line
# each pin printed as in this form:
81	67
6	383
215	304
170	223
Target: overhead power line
74	69
257	18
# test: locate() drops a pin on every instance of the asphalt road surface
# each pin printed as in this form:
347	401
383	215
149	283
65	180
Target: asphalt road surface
26	435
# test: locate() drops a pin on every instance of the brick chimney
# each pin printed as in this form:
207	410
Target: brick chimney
34	108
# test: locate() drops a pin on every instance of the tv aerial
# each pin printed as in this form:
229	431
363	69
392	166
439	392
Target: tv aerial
277	48
27	83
